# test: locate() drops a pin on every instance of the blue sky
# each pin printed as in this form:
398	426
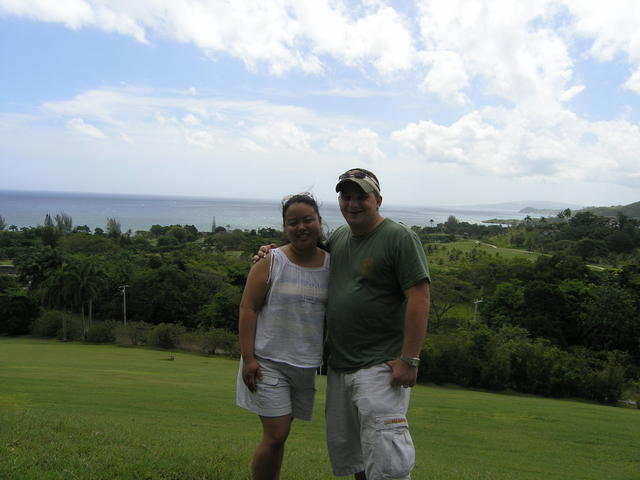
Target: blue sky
450	102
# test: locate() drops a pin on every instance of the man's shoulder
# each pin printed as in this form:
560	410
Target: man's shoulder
393	228
341	232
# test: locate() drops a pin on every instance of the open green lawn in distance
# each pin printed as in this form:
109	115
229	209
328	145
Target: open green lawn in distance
466	246
75	411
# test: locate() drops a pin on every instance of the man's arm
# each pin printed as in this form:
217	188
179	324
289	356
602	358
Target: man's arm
415	328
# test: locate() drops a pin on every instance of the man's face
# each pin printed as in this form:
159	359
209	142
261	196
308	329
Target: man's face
358	208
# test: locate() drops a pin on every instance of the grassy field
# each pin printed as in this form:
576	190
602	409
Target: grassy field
466	246
73	411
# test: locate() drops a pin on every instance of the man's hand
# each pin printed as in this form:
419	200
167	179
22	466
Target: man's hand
402	375
251	373
263	251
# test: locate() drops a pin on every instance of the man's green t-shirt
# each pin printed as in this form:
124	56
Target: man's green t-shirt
369	274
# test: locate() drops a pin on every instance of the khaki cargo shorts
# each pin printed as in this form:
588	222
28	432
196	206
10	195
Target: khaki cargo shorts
367	428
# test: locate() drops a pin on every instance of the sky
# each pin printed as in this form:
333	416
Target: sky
449	102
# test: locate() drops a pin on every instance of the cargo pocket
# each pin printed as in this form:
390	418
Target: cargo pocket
393	451
265	395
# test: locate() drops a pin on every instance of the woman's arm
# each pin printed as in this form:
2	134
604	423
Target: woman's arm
253	297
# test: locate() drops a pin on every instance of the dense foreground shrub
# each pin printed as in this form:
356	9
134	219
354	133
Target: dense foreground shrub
165	335
134	333
58	324
476	356
219	340
101	332
71	329
48	324
214	341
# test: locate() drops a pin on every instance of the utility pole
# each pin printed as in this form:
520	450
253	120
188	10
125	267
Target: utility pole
475	308
123	289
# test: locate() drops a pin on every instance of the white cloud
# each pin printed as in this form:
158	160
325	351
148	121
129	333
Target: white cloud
612	25
283	34
77	14
447	76
509	47
518	144
191	119
201	139
633	83
363	142
282	135
570	93
79	125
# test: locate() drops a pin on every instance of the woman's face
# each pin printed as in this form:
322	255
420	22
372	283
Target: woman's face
302	225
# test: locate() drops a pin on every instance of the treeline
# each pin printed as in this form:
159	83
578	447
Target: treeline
172	275
552	327
555	327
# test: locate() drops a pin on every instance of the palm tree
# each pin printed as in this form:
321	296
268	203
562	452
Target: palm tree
59	292
90	279
75	284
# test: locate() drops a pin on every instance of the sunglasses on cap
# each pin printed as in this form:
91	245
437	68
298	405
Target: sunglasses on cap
360	175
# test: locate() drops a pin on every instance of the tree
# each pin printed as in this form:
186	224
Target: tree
113	228
3	223
448	291
34	266
64	223
451	225
620	242
49	233
59	292
76	284
17	312
611	320
89	280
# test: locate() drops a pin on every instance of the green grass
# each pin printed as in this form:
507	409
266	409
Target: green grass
73	411
466	246
441	257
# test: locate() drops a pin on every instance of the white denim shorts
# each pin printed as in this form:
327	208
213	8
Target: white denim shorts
367	428
283	390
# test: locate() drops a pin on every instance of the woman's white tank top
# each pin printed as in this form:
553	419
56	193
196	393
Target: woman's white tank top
290	324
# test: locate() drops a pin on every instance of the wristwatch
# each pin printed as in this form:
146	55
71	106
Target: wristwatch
411	361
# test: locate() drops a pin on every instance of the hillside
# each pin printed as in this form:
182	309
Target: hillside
632	210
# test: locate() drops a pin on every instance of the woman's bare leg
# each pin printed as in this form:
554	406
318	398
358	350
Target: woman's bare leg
267	461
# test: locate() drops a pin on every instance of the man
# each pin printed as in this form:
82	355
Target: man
376	323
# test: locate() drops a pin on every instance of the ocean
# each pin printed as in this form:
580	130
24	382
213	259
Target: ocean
140	212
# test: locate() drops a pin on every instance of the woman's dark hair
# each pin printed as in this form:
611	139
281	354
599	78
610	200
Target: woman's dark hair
308	199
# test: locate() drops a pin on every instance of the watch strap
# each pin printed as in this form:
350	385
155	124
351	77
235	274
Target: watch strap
411	361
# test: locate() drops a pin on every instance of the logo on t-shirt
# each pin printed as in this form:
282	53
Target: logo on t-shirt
366	267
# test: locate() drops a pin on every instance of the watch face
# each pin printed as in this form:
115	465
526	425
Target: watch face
414	362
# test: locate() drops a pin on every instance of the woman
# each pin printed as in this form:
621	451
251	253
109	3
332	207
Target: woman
281	332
